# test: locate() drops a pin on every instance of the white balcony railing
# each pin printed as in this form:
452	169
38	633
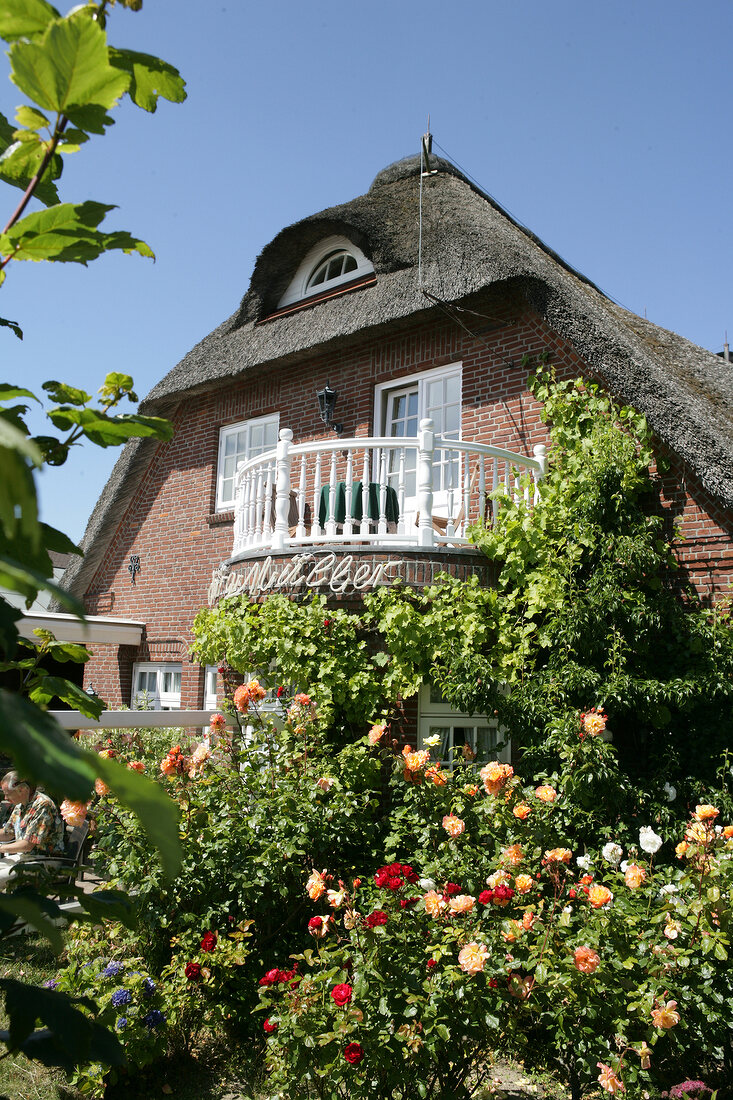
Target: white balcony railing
422	492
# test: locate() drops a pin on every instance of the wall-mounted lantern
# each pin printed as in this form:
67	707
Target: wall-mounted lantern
326	406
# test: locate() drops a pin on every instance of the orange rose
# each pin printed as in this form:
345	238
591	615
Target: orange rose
593	722
461	903
472	958
453	825
704	812
435	775
666	1015
599	895
315	886
608	1080
377	732
634	876
101	788
586	960
545	793
513	855
74	813
681	849
495	775
728	832
136	766
528	920
498	878
522	810
523	884
415	761
434	904
558	855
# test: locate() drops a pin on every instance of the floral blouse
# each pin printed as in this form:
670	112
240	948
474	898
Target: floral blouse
40	822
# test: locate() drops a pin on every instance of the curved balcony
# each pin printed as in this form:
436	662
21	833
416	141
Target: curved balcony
378	491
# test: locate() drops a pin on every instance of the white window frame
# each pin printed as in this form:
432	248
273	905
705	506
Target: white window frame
161	699
441	714
225	504
298	289
211	699
382	392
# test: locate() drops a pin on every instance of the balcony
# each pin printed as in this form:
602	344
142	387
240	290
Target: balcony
380	492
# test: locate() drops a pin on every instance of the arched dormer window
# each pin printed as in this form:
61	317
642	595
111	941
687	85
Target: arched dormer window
328	264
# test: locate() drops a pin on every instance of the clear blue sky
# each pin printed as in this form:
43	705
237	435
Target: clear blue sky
605	128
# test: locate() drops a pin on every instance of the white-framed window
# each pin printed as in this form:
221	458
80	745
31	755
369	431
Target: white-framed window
237	443
211	701
156	686
436	718
329	263
399	406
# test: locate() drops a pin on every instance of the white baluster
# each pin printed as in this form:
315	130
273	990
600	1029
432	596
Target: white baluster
331	517
401	491
494	487
540	453
251	503
382	529
259	505
466	491
282	491
348	522
482	488
316	528
300	531
450	528
364	525
239	517
267	509
425	448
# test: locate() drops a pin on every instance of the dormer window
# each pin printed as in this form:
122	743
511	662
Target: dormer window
333	269
333	262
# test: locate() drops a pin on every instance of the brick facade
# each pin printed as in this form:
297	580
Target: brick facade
172	526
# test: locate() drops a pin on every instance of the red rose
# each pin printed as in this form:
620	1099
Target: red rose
326	623
193	971
409	873
316	923
486	897
451	889
269	1028
208	943
353	1053
572	893
493	983
407	903
280	692
393	882
341	994
376	918
431	963
503	893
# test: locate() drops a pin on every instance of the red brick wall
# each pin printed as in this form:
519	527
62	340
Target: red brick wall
171	525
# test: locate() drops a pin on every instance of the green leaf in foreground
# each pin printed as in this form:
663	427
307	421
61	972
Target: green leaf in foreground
150	78
157	812
72	1036
67	233
5	323
25	18
68	66
42	751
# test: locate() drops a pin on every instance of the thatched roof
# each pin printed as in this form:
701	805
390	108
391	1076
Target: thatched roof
469	245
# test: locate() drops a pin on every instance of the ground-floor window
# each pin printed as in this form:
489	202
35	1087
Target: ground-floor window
211	701
455	729
156	686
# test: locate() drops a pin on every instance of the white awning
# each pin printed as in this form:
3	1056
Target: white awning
96	628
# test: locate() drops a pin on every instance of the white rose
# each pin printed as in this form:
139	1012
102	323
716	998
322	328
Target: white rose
648	840
612	852
670	791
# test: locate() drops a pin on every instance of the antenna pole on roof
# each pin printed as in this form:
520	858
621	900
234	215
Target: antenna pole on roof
426	148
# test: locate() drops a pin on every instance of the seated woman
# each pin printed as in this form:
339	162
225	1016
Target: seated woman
34	830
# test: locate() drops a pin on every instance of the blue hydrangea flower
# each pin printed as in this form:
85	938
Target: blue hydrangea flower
112	969
51	983
148	988
153	1019
121	1023
120	997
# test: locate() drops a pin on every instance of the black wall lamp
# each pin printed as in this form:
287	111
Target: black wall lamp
326	405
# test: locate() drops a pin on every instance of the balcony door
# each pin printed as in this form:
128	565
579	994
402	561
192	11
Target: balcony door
399	409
